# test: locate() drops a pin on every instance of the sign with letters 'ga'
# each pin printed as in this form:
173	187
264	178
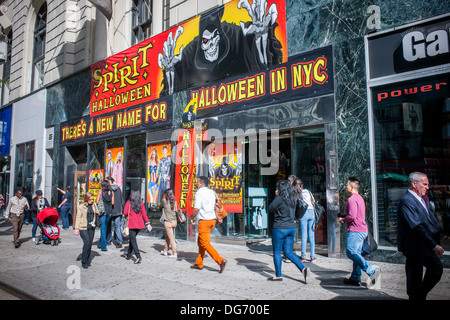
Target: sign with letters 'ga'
407	49
235	38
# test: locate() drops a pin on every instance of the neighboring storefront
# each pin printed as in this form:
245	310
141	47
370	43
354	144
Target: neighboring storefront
30	161
409	105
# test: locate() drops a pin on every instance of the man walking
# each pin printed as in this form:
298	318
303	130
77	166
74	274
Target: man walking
204	208
355	219
15	211
116	214
418	239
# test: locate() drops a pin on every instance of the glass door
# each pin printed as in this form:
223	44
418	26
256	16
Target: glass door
309	165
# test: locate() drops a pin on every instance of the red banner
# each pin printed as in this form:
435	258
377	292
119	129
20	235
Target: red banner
236	38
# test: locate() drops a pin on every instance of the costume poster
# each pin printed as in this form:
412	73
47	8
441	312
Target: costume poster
238	37
225	174
159	171
95	180
114	165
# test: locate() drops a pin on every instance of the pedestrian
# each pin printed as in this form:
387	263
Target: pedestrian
283	233
27	195
107	195
116	214
204	210
137	215
418	239
38	204
357	230
2	203
65	206
85	224
15	211
307	221
168	205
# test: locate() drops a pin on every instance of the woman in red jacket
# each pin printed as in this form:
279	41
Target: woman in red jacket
135	210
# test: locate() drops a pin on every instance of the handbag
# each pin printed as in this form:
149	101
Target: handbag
220	209
369	245
124	224
300	208
101	206
318	214
181	218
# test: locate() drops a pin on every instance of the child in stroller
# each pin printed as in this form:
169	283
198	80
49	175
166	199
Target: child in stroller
46	220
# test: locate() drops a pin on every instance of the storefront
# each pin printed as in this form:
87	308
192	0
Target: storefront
409	110
261	116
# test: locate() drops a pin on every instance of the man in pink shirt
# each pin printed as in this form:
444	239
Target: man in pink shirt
355	218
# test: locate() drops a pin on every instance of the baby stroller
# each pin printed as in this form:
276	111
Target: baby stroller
46	220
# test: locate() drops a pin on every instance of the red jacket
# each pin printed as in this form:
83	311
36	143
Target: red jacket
135	220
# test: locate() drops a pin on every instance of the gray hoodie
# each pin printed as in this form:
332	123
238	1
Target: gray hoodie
118	201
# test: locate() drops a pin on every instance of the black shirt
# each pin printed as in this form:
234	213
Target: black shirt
283	214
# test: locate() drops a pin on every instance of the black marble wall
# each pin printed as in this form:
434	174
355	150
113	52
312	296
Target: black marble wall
316	23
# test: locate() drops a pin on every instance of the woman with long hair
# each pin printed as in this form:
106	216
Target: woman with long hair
38	204
307	221
85	226
283	233
135	211
168	206
107	196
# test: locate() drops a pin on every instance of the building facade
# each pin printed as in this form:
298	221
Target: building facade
323	90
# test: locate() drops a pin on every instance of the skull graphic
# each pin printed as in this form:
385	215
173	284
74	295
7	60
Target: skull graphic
210	44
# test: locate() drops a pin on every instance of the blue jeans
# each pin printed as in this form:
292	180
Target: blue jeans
307	230
65	209
117	230
33	230
105	229
354	244
284	239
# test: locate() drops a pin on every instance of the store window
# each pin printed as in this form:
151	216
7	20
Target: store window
40	30
24	166
141	20
135	165
412	133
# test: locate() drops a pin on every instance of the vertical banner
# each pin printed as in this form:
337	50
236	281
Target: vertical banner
5	131
225	174
159	173
185	169
114	165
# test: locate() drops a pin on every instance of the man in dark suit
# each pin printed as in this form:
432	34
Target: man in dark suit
418	239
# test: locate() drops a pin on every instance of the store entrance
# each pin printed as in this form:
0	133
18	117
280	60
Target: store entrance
308	163
302	153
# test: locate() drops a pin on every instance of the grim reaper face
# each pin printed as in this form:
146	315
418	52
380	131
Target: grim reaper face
210	44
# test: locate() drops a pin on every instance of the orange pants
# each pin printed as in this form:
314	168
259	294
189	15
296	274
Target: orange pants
204	234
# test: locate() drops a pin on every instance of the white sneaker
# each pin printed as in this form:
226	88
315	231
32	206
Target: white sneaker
374	280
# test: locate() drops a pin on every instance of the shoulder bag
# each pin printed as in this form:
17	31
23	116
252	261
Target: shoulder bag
369	245
300	208
220	209
318	212
124	224
101	205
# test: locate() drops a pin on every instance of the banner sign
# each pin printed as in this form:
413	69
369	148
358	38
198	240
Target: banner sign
304	76
114	165
95	181
5	131
157	113
232	39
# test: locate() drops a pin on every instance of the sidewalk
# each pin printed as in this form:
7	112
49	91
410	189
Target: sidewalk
53	272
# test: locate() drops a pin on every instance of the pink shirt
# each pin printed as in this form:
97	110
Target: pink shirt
356	214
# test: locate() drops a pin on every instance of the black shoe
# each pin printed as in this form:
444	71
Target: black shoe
352	282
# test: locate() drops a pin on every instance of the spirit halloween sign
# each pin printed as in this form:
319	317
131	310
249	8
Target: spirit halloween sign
235	38
147	115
